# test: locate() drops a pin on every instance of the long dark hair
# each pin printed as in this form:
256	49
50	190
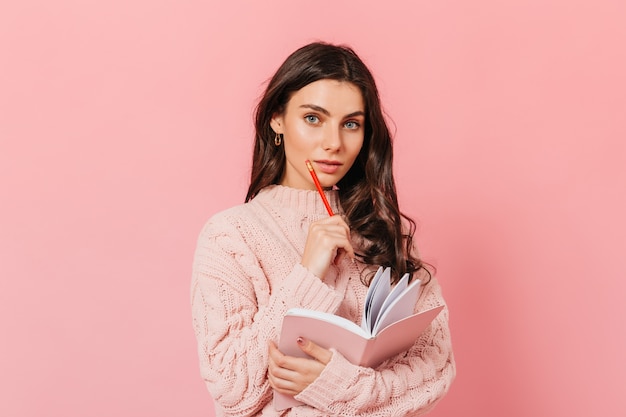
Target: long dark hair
367	192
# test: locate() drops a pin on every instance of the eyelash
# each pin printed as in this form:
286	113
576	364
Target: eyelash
308	118
316	120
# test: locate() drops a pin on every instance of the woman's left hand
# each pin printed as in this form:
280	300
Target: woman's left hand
290	375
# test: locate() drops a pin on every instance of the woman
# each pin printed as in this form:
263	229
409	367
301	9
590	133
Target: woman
281	249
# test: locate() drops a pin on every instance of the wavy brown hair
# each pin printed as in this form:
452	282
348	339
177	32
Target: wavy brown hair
367	192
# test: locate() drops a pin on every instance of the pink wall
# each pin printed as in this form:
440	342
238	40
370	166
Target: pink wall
124	125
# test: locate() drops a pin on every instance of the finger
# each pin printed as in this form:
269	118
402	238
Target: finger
342	226
336	237
347	249
336	222
280	363
282	385
279	375
273	350
314	350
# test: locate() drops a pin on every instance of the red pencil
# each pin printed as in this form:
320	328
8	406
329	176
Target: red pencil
319	187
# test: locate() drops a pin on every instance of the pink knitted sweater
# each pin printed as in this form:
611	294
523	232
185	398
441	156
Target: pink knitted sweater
246	274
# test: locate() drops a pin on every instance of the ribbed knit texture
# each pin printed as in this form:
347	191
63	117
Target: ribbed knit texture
246	275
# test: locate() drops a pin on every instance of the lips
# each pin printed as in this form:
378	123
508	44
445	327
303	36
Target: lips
328	167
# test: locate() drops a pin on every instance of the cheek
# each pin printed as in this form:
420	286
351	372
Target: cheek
295	143
356	145
307	132
303	137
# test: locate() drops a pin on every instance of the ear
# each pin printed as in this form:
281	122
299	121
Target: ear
277	123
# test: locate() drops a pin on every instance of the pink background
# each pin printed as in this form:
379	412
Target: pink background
125	124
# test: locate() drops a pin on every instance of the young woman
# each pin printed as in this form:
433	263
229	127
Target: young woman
281	249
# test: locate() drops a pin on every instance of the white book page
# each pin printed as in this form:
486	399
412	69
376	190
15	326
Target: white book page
391	297
367	305
400	306
376	295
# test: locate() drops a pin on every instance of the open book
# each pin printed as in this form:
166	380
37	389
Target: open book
388	327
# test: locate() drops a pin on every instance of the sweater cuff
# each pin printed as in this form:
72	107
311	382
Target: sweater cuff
337	377
305	290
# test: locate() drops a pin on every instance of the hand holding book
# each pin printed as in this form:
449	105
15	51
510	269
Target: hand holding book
388	327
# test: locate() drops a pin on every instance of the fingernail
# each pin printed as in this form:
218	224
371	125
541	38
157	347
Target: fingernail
300	341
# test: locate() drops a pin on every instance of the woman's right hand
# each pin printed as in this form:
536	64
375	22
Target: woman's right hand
328	241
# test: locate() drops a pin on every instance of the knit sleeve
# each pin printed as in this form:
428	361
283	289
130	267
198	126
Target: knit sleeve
236	312
409	384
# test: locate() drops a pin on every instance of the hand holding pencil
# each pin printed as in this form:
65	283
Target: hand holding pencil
328	239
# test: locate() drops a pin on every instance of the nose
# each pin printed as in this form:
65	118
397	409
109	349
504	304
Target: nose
332	139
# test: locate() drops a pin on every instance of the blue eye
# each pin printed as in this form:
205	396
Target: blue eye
311	118
352	125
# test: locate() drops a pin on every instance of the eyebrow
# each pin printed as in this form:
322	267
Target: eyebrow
327	113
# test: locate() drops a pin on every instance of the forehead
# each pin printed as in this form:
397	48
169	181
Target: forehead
340	96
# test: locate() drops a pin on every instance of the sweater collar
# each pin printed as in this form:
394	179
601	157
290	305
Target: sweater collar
307	201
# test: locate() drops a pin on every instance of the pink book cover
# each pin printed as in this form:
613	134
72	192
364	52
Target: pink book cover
348	338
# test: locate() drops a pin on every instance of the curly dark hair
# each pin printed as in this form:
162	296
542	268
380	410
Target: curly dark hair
367	192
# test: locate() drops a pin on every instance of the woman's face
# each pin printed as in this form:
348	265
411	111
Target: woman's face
324	123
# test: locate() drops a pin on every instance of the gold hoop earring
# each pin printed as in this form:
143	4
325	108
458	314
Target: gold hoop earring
278	139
